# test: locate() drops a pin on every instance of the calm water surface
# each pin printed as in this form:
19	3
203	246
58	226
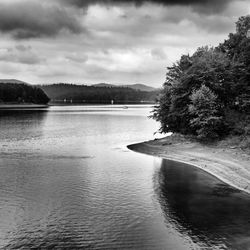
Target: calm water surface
67	181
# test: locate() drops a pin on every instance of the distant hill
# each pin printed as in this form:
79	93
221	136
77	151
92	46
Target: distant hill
138	86
13	81
141	87
15	91
100	93
103	85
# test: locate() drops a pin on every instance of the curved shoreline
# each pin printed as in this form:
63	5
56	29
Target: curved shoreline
228	165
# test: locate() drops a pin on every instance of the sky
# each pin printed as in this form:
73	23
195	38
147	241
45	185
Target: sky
112	41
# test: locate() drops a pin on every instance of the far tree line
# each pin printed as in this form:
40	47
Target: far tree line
91	94
71	93
22	93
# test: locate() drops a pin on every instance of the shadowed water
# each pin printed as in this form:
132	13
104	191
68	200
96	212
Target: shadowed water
212	213
67	181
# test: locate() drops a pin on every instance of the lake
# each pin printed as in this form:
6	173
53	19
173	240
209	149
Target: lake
68	181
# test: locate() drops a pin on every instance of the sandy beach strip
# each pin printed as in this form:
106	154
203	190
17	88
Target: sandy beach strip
230	165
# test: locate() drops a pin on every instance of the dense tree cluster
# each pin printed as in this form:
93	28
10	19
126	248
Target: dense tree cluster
205	93
92	94
22	93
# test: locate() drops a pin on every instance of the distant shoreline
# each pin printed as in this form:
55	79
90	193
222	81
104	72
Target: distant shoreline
15	106
229	164
22	106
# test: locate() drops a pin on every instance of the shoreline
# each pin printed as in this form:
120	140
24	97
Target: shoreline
228	164
22	106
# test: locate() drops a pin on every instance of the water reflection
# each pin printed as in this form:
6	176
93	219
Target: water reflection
21	112
68	182
63	185
19	124
212	213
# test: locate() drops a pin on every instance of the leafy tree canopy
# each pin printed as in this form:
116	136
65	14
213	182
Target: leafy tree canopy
215	78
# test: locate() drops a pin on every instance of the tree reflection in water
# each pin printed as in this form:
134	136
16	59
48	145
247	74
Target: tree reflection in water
212	213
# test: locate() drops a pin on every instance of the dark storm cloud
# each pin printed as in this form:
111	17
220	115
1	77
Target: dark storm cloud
198	5
30	20
107	40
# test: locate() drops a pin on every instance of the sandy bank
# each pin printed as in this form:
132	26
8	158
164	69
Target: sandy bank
229	164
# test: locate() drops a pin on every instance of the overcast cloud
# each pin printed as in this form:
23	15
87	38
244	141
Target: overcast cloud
114	41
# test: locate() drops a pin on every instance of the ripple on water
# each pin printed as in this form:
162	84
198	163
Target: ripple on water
67	182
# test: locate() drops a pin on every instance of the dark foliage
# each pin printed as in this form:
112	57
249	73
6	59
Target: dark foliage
207	113
92	94
203	89
22	93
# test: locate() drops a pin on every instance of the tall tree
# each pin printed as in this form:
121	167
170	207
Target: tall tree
207	66
207	114
237	49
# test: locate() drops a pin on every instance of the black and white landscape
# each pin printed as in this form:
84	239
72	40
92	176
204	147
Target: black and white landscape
125	124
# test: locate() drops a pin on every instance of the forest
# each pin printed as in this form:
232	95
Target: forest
13	92
62	92
207	94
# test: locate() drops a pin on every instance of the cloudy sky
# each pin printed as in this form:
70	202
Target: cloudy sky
115	41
